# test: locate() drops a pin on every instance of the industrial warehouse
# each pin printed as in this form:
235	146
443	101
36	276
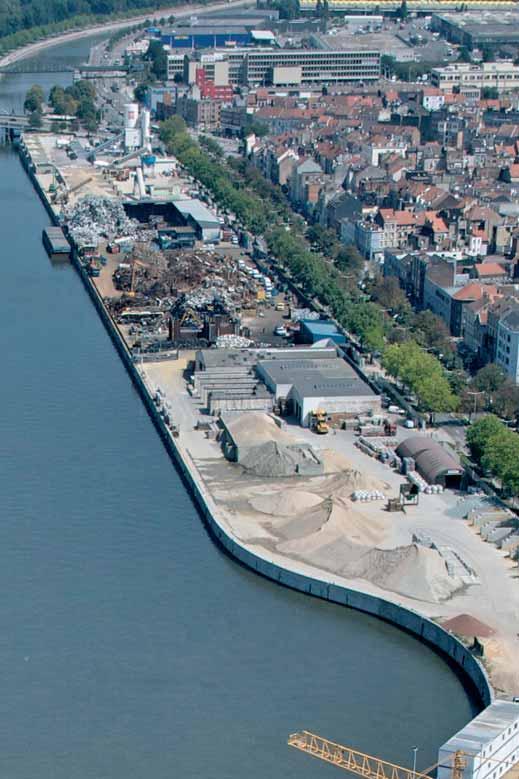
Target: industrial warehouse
297	382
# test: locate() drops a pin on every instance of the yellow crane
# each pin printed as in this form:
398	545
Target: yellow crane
135	264
371	767
362	764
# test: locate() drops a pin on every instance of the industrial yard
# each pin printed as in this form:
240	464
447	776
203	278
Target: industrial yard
304	463
432	557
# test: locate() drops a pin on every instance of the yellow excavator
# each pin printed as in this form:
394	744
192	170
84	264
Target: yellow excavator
318	422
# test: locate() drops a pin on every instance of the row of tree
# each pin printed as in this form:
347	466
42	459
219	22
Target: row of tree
496	448
44	18
422	373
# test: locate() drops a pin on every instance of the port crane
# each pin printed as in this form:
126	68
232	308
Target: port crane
371	767
362	764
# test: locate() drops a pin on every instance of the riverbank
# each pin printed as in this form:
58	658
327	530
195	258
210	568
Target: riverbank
32	49
280	568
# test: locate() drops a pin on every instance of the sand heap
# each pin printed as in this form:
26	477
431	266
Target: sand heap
409	570
338	537
286	503
330	534
273	460
343	479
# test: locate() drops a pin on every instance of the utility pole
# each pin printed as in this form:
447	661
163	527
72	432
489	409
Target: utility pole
415	750
475	394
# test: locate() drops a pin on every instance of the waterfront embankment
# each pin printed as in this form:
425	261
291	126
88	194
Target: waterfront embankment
283	570
33	49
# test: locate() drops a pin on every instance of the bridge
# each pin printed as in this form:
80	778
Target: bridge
57	66
49	66
11	126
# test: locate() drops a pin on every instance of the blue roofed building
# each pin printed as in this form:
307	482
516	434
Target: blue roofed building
318	330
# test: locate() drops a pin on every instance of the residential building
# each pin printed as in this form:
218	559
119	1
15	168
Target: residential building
503	76
397	227
507	344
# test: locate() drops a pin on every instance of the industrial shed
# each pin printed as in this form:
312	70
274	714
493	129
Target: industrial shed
194	212
435	463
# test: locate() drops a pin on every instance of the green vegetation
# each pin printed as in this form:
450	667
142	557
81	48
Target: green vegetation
26	21
34	99
77	100
158	60
496	449
405	71
489	93
422	373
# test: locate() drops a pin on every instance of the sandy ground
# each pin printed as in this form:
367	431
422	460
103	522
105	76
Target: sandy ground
34	48
311	525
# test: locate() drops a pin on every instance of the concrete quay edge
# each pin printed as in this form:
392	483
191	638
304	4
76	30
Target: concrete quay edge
405	618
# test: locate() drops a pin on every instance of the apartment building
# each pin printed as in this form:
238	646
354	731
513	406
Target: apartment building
507	343
503	76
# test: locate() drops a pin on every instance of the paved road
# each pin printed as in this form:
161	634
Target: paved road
33	48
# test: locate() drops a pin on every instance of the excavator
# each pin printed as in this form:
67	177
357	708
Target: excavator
318	422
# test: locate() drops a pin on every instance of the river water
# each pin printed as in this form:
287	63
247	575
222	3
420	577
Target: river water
130	646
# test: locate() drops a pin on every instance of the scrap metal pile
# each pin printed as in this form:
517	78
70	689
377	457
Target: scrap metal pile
93	218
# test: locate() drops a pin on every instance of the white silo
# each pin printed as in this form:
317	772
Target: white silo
145	126
131	115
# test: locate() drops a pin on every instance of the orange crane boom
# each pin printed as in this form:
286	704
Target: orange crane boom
360	763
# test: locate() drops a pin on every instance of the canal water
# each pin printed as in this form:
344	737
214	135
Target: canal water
130	646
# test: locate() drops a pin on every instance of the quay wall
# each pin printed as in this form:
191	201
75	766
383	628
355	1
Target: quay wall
411	621
407	619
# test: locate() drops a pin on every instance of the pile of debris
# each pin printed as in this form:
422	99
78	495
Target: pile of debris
93	218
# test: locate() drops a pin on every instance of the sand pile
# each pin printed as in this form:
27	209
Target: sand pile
256	427
465	625
331	534
285	503
411	570
273	460
343	484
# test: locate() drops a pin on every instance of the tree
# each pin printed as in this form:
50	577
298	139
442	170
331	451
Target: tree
57	100
422	373
158	59
488	54
464	55
140	92
35	119
403	11
33	99
350	260
506	400
481	432
389	294
430	330
489	379
489	93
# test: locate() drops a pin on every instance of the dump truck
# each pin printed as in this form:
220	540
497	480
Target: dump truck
319	424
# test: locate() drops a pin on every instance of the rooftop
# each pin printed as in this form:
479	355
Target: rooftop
492	722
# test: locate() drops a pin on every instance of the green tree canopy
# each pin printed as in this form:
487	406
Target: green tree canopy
34	99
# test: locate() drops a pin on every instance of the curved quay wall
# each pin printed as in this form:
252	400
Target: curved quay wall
423	628
420	626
